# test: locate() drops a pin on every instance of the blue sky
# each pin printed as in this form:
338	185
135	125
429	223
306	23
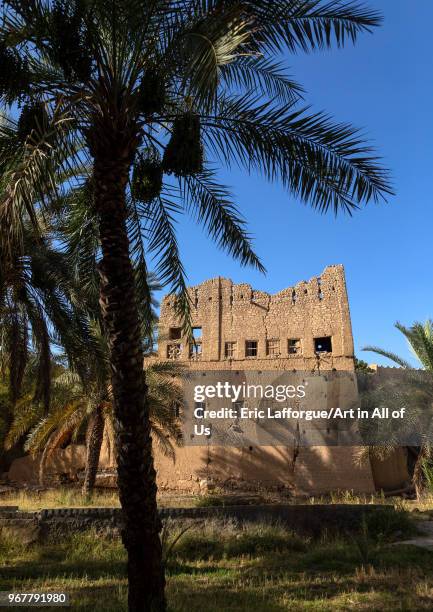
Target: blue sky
384	85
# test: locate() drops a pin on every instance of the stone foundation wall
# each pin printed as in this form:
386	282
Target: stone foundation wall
200	470
31	527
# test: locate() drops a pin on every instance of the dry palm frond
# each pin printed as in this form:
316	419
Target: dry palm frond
163	441
26	413
109	433
67	428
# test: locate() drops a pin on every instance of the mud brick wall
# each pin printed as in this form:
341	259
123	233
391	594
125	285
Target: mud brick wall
286	327
229	313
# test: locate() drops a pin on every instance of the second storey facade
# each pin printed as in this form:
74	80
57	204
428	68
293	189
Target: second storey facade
304	327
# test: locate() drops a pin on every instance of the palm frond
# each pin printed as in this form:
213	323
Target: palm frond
56	438
32	178
25	414
389	355
420	339
163	245
309	24
263	76
163	442
208	44
59	418
324	164
211	207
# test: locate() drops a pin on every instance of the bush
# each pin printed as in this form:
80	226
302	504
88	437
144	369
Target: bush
427	470
197	547
385	524
209	501
217	540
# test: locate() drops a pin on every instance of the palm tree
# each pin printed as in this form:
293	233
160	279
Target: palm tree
76	407
420	339
156	91
417	392
39	308
40	302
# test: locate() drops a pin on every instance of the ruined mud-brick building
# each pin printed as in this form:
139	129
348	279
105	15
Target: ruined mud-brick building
301	328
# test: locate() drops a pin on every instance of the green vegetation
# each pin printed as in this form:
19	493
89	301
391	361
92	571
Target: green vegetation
414	393
76	407
210	501
164	93
217	567
63	497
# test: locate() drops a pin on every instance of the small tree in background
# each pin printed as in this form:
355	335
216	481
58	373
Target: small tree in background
415	393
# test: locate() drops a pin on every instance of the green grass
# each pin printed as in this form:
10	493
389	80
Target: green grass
219	566
71	497
60	497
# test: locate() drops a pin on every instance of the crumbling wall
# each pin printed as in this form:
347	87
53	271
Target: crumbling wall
236	313
66	465
230	313
226	312
50	525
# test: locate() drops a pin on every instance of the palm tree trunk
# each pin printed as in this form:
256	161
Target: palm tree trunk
93	451
135	469
418	478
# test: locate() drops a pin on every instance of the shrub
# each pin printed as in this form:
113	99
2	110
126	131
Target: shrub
209	501
218	539
385	524
196	547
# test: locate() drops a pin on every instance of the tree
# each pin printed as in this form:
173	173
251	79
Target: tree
156	91
76	407
38	309
362	366
40	305
417	391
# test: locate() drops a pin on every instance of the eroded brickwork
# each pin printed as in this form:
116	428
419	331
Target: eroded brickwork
302	327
